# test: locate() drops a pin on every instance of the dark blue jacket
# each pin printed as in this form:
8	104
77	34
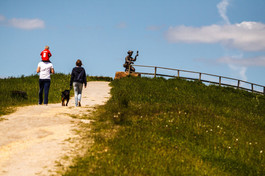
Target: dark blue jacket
78	75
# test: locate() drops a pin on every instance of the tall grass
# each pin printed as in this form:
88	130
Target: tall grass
176	127
30	85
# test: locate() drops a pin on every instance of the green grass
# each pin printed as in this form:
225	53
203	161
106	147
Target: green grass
176	127
30	85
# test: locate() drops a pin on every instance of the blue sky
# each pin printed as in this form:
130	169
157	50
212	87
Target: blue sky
223	37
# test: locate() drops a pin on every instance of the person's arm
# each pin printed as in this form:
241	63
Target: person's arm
38	69
52	70
85	82
135	56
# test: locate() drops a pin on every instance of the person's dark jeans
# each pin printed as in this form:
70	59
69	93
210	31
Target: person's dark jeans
44	84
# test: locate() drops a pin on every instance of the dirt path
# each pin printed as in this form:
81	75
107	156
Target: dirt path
34	137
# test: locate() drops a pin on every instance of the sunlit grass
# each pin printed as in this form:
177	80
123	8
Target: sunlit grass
176	127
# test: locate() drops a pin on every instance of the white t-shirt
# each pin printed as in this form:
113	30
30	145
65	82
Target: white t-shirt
45	70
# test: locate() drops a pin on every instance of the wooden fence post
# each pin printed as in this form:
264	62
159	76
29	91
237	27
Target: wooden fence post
264	90
155	72
200	76
220	83
178	73
252	88
238	84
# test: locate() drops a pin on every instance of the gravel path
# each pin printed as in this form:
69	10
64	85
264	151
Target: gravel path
34	137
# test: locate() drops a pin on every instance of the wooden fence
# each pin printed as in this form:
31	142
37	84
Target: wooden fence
199	75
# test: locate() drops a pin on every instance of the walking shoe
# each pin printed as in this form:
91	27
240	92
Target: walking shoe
79	104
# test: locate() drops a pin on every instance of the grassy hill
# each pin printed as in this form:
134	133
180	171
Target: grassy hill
175	127
162	127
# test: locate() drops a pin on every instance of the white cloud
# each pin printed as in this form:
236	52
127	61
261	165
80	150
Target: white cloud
235	64
239	71
245	62
222	6
21	23
247	36
26	23
2	18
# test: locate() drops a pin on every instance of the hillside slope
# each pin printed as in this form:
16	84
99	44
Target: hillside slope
176	127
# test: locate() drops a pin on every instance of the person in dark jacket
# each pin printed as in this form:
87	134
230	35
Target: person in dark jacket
78	79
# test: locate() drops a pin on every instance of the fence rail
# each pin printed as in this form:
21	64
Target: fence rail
199	78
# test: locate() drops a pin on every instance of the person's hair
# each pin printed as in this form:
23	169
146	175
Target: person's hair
47	47
78	62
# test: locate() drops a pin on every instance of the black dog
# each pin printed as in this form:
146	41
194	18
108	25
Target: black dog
19	94
65	97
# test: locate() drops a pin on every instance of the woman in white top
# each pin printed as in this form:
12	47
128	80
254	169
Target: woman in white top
45	69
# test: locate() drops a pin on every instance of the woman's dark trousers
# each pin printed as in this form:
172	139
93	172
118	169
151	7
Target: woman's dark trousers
44	85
